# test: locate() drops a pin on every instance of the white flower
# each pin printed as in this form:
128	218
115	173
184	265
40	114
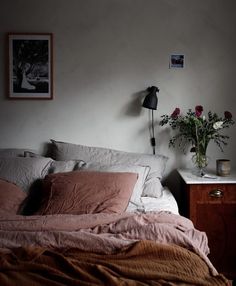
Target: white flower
203	117
218	125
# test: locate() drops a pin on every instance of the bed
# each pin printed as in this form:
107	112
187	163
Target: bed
95	216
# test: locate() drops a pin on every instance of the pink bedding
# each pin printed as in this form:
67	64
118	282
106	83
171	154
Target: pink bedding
102	233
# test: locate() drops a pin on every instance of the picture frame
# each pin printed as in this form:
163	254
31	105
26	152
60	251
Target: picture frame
30	66
177	61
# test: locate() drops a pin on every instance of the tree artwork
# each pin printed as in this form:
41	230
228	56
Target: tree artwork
30	67
30	64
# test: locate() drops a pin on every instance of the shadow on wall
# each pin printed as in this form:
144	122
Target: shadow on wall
134	107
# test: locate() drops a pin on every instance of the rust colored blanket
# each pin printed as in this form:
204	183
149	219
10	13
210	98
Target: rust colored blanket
142	263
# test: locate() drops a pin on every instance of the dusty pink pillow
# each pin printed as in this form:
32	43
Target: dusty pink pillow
83	192
11	197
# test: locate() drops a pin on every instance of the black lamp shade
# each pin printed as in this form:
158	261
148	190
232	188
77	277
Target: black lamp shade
151	99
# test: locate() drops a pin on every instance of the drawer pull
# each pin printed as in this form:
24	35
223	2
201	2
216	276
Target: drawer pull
217	193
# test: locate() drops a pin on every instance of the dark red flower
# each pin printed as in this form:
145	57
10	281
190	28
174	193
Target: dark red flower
175	113
198	110
228	115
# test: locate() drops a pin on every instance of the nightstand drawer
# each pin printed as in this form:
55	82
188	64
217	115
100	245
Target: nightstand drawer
210	200
212	193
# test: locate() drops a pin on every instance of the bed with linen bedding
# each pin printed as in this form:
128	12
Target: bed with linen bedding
95	216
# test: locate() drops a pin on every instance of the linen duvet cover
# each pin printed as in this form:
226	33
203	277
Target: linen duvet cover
156	248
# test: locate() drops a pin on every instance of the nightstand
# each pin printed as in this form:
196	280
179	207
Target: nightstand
211	205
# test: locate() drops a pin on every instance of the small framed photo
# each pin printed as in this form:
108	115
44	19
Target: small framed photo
30	66
177	61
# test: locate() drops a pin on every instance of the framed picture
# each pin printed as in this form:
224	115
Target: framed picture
30	66
177	61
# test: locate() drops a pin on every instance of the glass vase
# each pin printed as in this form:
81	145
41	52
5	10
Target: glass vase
200	161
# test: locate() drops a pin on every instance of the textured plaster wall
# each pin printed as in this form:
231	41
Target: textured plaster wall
106	53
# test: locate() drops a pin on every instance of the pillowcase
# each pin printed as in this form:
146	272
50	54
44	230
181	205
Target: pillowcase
58	166
66	166
11	197
142	172
13	152
86	192
152	188
69	151
24	171
32	154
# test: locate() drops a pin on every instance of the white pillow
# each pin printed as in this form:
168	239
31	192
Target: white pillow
63	151
142	172
152	188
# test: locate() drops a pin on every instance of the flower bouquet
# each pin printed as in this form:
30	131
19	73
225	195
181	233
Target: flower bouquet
197	130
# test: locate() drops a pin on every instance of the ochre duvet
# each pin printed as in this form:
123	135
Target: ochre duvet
104	249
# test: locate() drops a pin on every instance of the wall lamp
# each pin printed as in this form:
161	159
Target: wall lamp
150	102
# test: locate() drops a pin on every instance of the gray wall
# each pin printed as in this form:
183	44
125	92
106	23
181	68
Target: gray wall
106	53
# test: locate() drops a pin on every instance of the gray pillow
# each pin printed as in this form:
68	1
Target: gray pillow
69	151
24	171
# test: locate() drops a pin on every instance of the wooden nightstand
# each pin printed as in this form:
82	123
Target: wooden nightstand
211	205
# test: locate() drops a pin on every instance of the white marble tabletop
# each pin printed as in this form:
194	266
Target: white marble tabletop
190	177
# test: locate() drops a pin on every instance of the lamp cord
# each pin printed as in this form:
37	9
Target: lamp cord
153	141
